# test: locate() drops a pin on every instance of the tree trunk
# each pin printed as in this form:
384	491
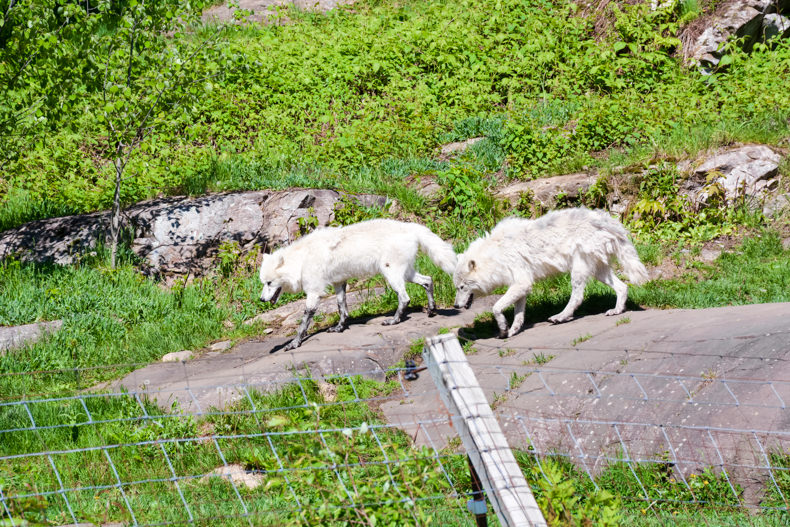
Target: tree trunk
115	218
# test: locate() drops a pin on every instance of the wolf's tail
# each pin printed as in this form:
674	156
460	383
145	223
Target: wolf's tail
623	249
438	250
633	267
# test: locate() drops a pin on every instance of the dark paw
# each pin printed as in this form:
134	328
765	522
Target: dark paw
431	312
338	328
502	335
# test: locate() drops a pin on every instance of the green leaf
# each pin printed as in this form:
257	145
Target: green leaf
725	61
277	420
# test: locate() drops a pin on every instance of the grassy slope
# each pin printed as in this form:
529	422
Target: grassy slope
328	100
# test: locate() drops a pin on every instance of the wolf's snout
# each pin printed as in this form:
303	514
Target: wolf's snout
463	299
271	296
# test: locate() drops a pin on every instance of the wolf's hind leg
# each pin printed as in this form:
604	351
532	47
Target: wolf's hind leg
342	308
395	280
606	275
310	307
518	318
580	273
427	283
515	294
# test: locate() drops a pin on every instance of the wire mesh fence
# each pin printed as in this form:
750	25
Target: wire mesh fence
620	444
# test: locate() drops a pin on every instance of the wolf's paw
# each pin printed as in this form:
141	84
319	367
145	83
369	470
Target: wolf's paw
512	332
292	345
502	335
338	328
557	319
390	322
431	312
614	312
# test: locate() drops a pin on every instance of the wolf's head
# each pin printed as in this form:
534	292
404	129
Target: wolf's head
465	281
272	277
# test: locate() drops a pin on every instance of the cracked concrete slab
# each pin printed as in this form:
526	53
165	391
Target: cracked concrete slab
696	388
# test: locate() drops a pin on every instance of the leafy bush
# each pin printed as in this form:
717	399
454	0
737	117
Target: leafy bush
466	197
295	104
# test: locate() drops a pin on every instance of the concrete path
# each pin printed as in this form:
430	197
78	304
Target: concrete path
216	378
691	388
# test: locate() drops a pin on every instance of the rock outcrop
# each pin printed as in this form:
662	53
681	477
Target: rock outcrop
17	336
748	172
182	235
546	190
751	21
266	10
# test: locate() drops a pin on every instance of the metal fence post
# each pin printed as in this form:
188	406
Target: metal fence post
483	439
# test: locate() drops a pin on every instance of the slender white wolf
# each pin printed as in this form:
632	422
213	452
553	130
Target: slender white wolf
519	252
333	255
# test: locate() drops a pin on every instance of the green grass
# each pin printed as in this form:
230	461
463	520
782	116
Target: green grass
113	320
755	272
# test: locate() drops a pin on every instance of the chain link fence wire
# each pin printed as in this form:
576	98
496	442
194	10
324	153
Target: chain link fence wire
647	446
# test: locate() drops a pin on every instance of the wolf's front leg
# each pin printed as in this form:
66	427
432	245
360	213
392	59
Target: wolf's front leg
516	293
310	307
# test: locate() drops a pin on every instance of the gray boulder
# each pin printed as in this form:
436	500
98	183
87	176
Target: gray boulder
776	26
546	190
459	147
747	171
17	336
182	235
751	21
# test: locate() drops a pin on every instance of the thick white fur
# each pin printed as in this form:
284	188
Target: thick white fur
333	255
519	252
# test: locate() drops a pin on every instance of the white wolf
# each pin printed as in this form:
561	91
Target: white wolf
333	255
519	252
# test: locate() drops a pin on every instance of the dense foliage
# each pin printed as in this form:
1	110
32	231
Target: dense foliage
325	94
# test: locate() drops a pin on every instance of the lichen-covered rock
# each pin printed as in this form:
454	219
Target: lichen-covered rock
747	171
182	235
546	190
751	21
776	26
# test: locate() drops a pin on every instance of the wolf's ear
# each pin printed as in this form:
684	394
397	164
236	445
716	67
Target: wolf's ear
280	261
472	265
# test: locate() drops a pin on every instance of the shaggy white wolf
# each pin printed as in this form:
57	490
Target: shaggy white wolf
333	255
519	252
